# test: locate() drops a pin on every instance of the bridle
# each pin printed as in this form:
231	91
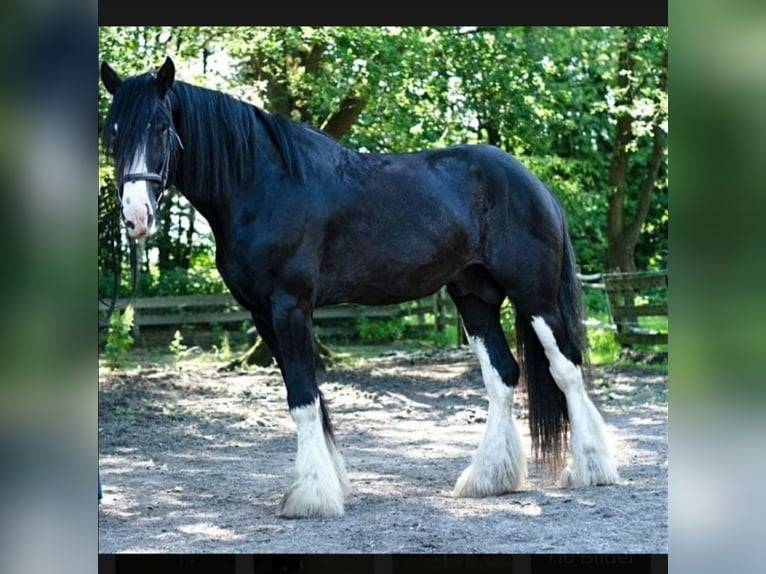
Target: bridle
160	178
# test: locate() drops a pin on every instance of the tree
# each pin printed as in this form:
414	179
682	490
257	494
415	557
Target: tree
585	108
641	110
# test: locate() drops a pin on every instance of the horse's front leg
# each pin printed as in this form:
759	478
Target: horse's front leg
320	476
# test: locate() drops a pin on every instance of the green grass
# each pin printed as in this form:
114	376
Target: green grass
158	351
659	324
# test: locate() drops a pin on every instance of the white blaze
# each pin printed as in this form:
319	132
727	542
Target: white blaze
136	204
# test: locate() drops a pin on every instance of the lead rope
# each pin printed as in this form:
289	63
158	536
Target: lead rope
162	179
116	237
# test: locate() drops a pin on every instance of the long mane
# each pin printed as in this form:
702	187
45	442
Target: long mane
220	136
223	133
124	132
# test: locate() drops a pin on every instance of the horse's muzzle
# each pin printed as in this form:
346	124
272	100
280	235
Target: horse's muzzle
139	221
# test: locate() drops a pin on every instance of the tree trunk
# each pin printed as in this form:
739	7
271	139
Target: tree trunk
345	117
624	231
259	355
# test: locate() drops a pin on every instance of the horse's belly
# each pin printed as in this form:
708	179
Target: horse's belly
385	284
385	262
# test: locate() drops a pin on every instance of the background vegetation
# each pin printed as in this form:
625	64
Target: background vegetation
584	108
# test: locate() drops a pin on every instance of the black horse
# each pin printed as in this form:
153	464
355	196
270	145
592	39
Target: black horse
301	222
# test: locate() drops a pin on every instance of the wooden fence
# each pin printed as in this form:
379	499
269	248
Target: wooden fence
629	297
338	320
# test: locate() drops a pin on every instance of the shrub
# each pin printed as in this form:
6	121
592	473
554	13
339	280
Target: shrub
118	338
177	344
224	346
381	330
604	346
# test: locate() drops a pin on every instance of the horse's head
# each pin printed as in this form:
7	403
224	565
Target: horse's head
140	135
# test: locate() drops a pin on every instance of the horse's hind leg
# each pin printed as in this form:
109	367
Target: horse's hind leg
592	461
499	464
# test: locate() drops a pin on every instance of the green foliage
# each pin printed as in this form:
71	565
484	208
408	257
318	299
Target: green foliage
224	346
548	95
596	304
604	346
196	281
379	330
443	339
177	345
223	340
119	339
508	322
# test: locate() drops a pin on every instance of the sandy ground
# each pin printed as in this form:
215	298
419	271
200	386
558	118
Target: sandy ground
193	460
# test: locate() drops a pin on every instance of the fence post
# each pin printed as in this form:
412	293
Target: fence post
439	316
621	290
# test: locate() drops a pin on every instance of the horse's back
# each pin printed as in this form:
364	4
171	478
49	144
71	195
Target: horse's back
402	225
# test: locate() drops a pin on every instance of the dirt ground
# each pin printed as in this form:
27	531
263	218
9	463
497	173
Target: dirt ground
193	460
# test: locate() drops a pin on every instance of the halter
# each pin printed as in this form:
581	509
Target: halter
161	178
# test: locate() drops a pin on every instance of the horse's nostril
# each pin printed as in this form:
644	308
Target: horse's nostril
149	217
129	224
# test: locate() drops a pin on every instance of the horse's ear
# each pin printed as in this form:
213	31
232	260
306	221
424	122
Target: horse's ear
110	78
165	76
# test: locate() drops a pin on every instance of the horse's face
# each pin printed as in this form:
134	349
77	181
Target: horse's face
140	135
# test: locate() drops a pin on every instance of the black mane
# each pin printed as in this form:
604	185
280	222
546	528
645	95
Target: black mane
138	101
219	134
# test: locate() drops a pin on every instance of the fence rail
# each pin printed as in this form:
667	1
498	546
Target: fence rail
628	295
211	309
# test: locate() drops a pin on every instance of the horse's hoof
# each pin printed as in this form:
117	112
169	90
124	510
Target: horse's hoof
301	502
589	475
472	485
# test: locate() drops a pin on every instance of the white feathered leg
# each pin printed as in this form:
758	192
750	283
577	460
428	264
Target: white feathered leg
592	460
318	490
499	464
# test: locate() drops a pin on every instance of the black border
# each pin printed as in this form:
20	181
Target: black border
238	13
390	13
384	563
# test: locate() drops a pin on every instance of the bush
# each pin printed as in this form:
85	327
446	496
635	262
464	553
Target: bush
604	346
118	338
380	330
177	344
442	340
193	281
595	302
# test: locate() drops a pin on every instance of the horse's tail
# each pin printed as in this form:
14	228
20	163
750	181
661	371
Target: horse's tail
548	420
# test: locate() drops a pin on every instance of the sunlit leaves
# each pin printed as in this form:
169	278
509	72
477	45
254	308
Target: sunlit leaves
551	96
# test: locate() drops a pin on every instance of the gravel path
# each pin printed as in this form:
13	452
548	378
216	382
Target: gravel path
193	460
